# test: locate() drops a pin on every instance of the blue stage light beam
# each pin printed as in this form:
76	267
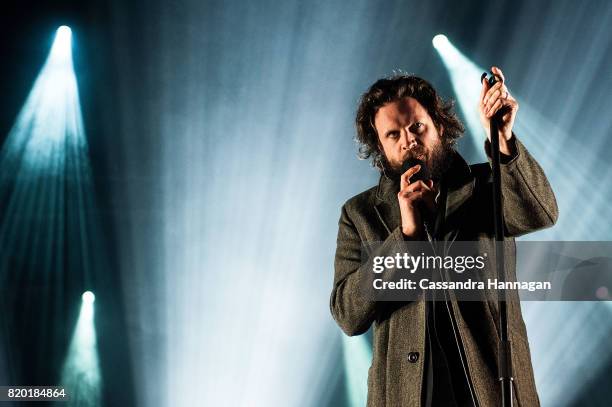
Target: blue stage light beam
46	170
81	371
48	219
549	334
46	177
461	69
357	353
50	117
236	291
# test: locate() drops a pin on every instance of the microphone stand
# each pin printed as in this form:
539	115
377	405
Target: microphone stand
505	348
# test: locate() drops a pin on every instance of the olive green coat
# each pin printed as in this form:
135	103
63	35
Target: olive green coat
394	379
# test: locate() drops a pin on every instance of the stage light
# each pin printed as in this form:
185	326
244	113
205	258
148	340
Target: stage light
464	76
45	166
48	202
81	371
64	32
440	41
50	117
88	297
62	45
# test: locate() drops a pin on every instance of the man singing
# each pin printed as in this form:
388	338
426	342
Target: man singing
442	353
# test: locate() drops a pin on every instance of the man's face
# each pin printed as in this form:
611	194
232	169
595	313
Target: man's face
405	130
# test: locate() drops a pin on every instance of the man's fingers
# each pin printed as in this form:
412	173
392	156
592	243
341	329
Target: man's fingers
498	95
418	186
412	170
495	89
493	109
501	93
405	178
491	97
412	196
416	190
495	70
487	92
483	90
416	196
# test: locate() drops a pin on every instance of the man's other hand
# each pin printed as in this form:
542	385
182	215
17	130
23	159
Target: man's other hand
494	99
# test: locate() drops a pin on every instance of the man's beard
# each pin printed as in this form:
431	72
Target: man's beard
437	161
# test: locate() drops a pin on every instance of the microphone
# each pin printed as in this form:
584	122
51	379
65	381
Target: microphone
423	173
492	79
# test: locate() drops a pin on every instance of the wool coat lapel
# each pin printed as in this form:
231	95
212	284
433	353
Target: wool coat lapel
386	204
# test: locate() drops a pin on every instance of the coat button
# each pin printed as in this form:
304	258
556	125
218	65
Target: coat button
413	357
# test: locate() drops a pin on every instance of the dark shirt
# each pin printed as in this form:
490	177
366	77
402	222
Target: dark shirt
445	380
446	383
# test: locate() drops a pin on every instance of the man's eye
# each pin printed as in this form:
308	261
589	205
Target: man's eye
394	134
418	127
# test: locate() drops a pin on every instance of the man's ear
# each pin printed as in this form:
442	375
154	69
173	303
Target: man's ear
441	130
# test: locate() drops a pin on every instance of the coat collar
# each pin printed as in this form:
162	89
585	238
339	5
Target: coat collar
457	187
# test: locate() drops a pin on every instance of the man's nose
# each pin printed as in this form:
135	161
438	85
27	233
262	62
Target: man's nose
408	139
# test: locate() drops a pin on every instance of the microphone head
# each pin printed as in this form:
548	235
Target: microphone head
422	175
492	80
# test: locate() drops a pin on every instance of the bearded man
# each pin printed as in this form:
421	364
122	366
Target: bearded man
429	353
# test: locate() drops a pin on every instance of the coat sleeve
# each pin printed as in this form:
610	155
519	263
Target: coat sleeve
528	199
350	306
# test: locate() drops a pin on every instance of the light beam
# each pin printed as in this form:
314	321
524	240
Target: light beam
81	371
357	355
48	221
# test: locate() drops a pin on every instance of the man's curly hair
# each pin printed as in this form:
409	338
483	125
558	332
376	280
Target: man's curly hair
392	89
